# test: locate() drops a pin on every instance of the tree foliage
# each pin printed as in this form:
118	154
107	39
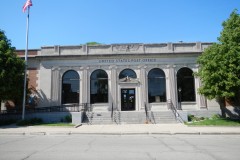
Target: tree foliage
11	71
93	43
220	63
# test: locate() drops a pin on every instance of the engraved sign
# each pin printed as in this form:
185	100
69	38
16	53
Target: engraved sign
128	60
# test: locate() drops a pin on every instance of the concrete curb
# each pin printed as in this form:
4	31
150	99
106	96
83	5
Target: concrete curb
159	129
112	133
12	134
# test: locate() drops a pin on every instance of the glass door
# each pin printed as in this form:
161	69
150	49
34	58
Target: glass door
128	99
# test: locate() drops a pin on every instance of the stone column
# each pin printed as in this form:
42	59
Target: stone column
203	104
201	99
85	86
173	86
143	81
56	88
113	91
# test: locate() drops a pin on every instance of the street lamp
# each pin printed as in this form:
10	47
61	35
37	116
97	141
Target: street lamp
180	98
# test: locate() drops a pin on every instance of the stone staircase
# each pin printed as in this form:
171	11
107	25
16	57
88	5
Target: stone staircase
159	117
97	118
128	117
132	117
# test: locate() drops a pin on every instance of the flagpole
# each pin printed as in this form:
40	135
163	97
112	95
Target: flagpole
26	65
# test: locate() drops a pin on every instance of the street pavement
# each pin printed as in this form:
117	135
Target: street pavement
124	129
127	141
120	147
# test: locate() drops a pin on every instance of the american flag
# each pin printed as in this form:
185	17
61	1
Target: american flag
26	5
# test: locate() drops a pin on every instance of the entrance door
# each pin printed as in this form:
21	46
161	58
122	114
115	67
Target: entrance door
128	99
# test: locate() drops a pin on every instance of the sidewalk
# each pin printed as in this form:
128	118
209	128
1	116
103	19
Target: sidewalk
126	129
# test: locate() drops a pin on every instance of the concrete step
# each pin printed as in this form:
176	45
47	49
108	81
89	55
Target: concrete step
98	118
162	117
129	117
132	117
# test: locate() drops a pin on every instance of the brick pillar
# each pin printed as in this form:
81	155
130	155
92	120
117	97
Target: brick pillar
32	78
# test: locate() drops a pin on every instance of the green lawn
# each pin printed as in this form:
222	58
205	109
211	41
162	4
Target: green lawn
39	122
215	122
57	124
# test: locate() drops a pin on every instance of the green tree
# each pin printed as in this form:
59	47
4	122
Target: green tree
11	72
220	65
93	43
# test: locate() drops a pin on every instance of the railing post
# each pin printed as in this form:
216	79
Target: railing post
85	107
146	112
90	106
169	104
180	99
112	112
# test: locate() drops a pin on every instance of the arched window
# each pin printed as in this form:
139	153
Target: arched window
185	85
127	73
156	86
99	87
70	87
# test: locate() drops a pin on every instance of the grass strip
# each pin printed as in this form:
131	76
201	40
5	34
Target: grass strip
57	124
215	122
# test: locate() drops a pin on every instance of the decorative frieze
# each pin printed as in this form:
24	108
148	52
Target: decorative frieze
126	47
133	48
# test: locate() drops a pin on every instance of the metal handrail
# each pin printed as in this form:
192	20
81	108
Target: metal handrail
174	110
62	108
146	112
112	112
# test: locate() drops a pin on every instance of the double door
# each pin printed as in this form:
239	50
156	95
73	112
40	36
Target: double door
128	99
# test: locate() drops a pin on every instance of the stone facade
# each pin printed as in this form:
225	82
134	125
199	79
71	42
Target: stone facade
48	65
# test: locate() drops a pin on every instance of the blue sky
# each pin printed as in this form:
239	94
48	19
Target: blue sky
74	22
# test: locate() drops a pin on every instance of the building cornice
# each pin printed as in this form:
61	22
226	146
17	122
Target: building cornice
130	49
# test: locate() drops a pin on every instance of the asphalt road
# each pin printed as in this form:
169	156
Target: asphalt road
109	147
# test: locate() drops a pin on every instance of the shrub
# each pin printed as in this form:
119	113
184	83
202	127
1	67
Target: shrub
190	117
216	116
68	118
33	121
7	122
193	118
